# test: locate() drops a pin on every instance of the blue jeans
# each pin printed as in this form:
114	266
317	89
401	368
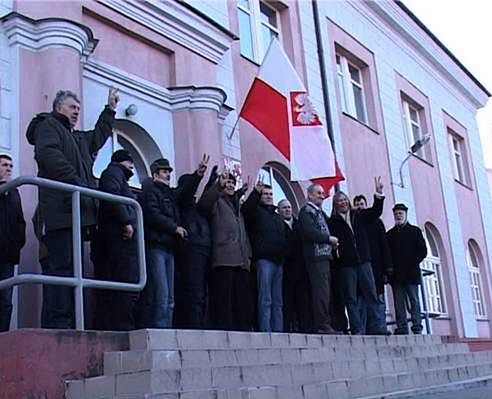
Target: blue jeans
157	300
356	281
381	312
269	276
6	271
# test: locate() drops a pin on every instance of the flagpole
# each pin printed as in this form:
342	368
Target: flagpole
229	136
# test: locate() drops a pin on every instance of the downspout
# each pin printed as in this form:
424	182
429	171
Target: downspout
324	85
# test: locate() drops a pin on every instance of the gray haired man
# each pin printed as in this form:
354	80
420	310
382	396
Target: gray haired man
66	155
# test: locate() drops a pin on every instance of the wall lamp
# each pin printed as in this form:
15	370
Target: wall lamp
131	110
413	149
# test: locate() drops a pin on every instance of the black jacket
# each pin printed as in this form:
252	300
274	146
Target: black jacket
294	266
195	223
114	216
408	249
380	253
12	226
266	229
315	242
353	245
161	211
67	157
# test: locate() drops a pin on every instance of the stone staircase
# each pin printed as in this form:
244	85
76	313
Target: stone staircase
185	364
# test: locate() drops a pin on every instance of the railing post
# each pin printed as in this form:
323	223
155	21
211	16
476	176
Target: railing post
77	261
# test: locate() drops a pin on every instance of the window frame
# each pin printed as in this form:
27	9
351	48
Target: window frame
255	26
476	284
347	95
408	104
457	156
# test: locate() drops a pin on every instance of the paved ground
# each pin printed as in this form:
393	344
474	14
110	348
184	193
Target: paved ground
472	393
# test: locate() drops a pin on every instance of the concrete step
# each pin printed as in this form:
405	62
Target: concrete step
132	361
362	378
153	339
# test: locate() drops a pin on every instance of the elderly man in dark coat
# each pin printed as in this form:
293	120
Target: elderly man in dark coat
12	237
231	255
66	155
408	249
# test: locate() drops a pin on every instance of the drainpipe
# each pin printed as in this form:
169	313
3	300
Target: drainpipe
324	84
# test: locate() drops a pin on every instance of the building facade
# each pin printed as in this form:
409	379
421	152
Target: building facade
379	79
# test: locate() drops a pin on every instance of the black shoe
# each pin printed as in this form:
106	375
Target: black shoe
399	331
328	330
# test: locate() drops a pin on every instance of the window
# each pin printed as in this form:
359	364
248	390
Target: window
475	280
457	145
258	24
414	124
351	88
432	276
117	142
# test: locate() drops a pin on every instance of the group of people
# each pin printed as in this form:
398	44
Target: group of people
229	260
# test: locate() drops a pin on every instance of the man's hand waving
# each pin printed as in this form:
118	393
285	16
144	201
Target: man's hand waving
113	98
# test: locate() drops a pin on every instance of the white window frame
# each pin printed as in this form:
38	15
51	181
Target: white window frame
346	88
409	124
256	24
476	286
433	282
457	154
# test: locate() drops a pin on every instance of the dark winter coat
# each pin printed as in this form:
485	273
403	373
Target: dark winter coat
408	249
67	157
353	245
195	223
12	226
160	205
230	243
380	253
295	266
267	231
114	216
315	234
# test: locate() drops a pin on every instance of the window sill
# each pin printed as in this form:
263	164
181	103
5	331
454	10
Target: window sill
250	60
360	122
465	185
484	319
423	160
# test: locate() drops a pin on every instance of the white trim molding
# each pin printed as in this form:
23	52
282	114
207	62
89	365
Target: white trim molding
177	23
172	98
37	35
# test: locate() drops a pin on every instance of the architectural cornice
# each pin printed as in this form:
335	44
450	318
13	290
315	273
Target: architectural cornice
177	23
173	98
40	34
429	50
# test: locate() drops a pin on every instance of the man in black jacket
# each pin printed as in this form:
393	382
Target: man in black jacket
354	258
117	224
12	237
163	231
381	265
268	236
297	290
317	245
66	155
408	249
193	259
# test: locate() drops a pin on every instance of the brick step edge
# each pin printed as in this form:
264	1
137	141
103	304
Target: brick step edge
479	382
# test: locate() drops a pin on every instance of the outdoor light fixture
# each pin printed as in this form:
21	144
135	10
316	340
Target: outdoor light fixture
131	110
413	149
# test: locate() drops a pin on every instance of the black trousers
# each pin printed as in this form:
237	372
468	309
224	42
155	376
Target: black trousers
122	263
231	302
6	271
338	315
320	278
298	307
193	269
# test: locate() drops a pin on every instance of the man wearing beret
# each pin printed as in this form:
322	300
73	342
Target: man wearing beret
117	227
408	249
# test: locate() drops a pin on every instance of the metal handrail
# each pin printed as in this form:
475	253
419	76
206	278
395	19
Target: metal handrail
78	281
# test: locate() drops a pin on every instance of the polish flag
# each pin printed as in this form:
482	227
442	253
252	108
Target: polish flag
279	106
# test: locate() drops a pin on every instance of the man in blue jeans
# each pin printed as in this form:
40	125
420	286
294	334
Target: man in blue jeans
269	242
163	230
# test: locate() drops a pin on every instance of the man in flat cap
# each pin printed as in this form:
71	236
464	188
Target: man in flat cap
408	249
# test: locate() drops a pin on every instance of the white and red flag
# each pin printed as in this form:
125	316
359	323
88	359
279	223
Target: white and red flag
278	106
